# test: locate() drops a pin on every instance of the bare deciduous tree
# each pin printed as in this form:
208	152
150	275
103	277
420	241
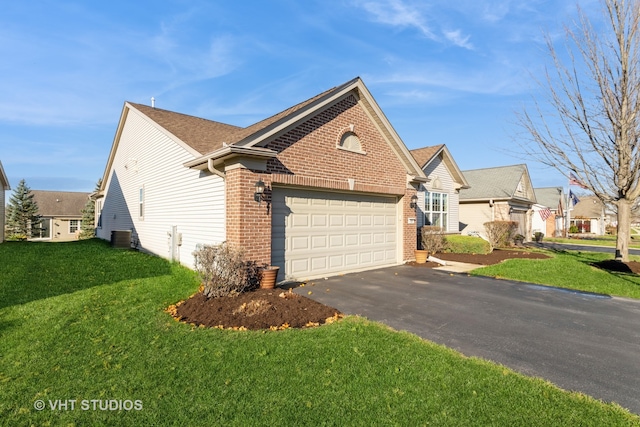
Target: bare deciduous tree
594	97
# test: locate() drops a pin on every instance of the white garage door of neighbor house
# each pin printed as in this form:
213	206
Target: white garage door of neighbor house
316	233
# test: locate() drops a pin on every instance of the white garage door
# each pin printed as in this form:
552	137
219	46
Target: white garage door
316	233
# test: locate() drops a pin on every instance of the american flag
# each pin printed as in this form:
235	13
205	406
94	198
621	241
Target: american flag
545	213
573	180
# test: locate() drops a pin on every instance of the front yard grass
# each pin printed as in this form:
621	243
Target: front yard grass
568	269
81	321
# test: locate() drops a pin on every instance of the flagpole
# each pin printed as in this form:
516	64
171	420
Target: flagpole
568	224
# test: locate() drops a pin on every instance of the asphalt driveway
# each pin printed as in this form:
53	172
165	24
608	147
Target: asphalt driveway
578	341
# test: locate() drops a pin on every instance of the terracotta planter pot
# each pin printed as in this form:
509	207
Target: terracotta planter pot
421	256
268	277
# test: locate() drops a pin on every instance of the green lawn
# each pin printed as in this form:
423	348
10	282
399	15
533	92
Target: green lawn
81	321
568	269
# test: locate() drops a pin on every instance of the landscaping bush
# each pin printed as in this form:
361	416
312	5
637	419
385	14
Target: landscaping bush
433	239
467	245
223	270
537	236
500	233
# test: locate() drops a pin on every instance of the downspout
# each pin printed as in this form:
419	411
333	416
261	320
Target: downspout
212	169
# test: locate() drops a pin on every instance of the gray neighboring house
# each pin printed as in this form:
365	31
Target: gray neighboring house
4	186
497	194
61	213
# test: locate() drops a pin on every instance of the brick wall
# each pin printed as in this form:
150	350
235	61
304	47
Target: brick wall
308	157
310	150
248	223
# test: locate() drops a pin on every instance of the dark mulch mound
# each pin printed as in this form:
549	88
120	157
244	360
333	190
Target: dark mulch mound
259	309
619	266
495	257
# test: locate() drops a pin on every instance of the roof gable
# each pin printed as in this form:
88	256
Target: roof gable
426	155
60	203
213	141
588	207
506	182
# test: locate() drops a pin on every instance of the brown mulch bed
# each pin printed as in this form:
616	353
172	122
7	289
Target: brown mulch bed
619	266
495	257
260	309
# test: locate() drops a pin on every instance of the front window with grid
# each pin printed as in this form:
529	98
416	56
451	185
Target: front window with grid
436	210
74	225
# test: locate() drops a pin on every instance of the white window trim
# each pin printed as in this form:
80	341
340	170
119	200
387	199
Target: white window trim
427	207
78	226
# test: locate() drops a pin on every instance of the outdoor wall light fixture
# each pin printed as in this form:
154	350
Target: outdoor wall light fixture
257	196
414	202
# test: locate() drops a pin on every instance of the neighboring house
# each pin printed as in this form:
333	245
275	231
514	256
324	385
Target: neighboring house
591	216
438	198
61	213
497	194
550	205
4	186
338	185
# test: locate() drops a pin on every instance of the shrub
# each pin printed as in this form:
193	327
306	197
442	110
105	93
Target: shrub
467	245
223	270
537	236
500	233
432	238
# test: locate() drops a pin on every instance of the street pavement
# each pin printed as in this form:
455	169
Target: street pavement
578	341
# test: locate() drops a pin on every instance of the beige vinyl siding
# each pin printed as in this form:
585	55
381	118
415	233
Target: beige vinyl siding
473	216
437	169
2	212
173	194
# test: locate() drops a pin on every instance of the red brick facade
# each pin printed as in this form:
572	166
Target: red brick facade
308	156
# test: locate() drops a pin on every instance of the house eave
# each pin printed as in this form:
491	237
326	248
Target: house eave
225	154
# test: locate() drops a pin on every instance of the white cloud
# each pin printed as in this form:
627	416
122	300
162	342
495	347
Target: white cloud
458	39
398	14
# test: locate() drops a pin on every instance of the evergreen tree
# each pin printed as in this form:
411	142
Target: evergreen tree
87	227
22	213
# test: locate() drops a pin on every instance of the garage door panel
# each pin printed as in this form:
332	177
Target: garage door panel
365	239
351	240
351	260
318	233
319	263
336	261
299	243
319	242
319	220
300	221
336	241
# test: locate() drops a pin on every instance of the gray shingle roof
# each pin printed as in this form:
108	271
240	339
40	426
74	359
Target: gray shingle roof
492	183
60	203
549	196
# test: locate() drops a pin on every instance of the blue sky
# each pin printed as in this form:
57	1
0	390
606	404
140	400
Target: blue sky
452	72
